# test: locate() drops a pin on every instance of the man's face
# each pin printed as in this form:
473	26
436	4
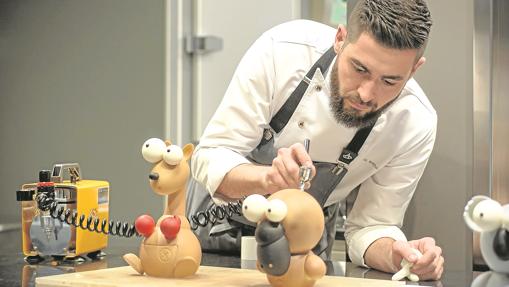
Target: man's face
366	77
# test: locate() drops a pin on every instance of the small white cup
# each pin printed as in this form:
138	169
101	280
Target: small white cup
248	248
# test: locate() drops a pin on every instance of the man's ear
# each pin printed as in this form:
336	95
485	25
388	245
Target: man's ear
188	150
340	38
417	64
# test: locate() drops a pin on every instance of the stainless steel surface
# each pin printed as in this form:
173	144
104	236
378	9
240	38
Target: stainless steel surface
15	272
304	176
491	120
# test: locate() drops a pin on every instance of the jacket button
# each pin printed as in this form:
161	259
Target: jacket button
301	124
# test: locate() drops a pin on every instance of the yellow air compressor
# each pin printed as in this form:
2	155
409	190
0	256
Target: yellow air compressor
64	218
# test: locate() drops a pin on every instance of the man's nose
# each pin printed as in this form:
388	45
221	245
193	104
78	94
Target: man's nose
367	91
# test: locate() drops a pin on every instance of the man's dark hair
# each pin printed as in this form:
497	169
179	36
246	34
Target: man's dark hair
397	24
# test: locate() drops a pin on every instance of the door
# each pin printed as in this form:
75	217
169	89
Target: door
237	24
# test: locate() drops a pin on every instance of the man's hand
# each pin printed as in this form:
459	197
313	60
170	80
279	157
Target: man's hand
284	172
247	179
429	267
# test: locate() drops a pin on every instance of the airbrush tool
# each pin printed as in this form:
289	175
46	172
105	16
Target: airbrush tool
304	171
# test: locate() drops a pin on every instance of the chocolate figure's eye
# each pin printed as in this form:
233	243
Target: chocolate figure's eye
253	207
152	150
488	215
173	155
276	210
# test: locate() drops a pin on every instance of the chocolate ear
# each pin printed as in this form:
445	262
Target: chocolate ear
188	150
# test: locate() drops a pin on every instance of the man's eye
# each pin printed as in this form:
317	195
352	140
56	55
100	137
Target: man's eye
389	83
359	69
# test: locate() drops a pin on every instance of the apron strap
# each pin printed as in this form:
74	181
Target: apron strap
284	114
352	149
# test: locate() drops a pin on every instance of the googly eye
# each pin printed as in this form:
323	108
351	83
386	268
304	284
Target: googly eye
276	210
488	215
173	155
253	207
153	149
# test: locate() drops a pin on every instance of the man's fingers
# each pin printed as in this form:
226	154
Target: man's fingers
279	164
424	265
292	170
286	167
435	273
426	243
430	255
302	157
274	179
428	261
431	265
402	250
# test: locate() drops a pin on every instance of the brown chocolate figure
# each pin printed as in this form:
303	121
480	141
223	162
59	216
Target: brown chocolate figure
290	224
170	248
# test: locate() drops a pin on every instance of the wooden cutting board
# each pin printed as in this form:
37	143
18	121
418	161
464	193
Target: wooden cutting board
206	276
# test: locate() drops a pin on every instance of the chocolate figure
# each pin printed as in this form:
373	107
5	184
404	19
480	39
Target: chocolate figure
170	248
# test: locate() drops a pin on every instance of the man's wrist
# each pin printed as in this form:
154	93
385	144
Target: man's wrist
379	255
244	180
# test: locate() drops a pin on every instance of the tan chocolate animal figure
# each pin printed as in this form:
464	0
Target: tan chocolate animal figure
290	224
170	248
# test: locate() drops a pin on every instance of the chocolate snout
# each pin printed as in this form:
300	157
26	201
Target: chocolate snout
273	249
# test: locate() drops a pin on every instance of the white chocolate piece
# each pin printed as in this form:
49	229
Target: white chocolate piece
254	207
173	155
405	269
413	277
276	210
488	215
153	149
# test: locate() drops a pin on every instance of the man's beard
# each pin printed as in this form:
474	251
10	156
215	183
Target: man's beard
349	118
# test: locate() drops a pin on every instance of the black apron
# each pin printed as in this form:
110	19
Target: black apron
225	235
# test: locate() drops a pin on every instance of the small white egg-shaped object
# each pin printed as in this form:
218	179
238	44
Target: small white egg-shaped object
488	215
413	277
276	210
405	269
253	207
173	155
153	149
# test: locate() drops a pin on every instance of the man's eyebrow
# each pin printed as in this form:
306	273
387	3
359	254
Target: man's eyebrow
385	77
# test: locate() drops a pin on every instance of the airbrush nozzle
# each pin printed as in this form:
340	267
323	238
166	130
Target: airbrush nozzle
304	175
304	171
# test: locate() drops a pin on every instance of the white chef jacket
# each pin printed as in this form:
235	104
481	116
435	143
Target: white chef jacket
388	166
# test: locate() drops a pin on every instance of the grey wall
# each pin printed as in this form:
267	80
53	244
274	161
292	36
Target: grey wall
446	185
81	81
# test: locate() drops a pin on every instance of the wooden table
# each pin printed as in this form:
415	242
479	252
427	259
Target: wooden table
206	276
